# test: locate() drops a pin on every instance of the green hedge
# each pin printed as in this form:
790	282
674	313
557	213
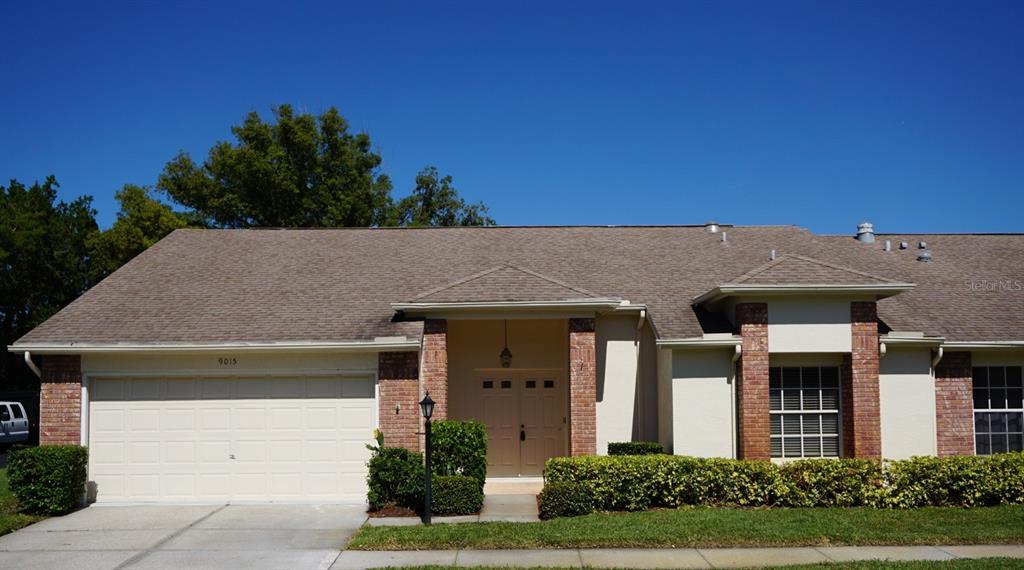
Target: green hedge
635	448
395	478
459	448
642	482
455	495
48	480
565	500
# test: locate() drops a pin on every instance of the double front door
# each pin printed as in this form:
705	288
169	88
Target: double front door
526	418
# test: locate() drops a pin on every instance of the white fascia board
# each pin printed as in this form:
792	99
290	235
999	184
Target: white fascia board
911	340
738	289
582	304
984	345
700	342
296	346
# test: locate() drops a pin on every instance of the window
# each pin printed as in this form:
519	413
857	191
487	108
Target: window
998	410
4	414
531	383
804	404
16	410
549	383
506	384
488	384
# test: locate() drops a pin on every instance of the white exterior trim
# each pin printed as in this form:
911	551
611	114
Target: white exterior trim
700	342
275	347
582	304
734	289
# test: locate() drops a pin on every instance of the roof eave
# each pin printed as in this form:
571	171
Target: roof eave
388	344
725	290
526	306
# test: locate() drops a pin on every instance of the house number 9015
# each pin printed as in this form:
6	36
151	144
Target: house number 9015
229	361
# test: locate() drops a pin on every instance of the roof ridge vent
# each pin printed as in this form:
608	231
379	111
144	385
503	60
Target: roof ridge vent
866	232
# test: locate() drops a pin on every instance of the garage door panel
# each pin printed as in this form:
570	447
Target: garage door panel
174	439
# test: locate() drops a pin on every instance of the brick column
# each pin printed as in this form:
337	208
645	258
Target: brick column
582	387
862	420
399	387
753	421
435	364
60	401
954	405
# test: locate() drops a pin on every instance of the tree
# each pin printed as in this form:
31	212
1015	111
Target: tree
141	222
300	171
436	202
44	258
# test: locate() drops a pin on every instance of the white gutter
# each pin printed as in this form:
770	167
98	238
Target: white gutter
911	340
581	304
700	342
984	344
734	289
290	346
32	365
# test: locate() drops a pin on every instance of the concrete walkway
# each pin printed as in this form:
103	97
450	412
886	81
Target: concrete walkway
667	557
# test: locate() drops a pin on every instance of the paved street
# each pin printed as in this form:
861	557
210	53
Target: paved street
228	537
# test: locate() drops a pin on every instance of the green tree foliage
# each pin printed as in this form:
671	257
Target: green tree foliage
436	202
44	258
141	222
300	171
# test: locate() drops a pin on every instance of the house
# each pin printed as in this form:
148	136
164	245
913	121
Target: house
255	364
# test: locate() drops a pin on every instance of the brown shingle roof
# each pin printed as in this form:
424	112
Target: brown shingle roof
503	283
337	285
797	269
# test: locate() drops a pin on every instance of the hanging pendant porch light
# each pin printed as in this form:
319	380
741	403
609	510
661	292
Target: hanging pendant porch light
506	354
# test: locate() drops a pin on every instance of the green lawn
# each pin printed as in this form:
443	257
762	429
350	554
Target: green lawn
716	527
10	519
980	564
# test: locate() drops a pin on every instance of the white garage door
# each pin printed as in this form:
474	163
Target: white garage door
230	439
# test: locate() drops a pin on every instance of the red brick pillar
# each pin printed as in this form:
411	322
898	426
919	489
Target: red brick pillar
435	365
399	387
582	387
753	429
60	401
954	405
862	419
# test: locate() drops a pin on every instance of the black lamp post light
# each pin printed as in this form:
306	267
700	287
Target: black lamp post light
427	408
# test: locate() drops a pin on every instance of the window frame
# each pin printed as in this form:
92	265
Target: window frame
802	411
988	388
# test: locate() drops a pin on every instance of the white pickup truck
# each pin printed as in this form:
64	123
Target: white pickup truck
13	424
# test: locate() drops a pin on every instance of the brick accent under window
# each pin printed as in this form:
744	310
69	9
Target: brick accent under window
954	405
753	420
582	387
60	401
435	364
399	386
861	412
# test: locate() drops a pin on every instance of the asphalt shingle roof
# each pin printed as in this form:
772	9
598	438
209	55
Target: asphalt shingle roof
338	285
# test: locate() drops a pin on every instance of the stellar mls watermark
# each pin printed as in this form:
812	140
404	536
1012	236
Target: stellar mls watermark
1005	285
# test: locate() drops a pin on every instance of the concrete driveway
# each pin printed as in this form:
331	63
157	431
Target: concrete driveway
225	536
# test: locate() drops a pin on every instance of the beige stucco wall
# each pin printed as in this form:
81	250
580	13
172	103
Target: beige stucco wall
702	407
1008	357
809	325
476	344
626	381
906	391
229	362
664	407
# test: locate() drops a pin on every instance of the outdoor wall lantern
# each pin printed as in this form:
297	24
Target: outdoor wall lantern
427	408
506	354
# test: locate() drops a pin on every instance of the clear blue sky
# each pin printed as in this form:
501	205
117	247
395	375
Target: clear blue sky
815	113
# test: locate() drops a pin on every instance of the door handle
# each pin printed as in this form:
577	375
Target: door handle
522	435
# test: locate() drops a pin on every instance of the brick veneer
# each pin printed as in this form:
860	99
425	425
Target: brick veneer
862	423
753	419
435	365
399	387
582	387
954	405
60	401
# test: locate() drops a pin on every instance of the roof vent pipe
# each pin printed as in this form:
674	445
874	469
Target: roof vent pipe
904	245
711	227
922	245
771	255
725	237
866	232
925	256
888	245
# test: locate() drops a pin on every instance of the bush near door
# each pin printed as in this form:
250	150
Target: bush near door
565	500
48	480
456	495
641	482
635	448
395	478
459	448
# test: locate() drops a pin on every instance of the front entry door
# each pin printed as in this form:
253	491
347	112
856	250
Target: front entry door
525	415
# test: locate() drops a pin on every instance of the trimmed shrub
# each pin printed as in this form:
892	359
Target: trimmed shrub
456	495
48	480
641	482
395	478
459	448
635	448
565	500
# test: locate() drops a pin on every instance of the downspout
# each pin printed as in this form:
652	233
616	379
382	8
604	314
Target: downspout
32	365
937	357
638	375
732	394
881	350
